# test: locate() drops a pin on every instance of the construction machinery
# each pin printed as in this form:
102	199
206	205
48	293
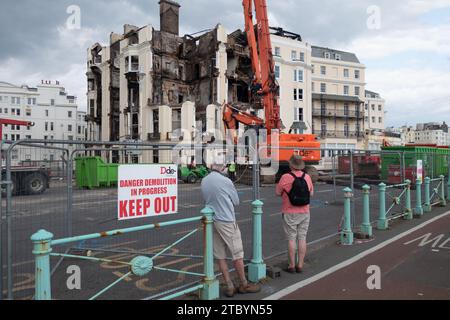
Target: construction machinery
264	94
25	180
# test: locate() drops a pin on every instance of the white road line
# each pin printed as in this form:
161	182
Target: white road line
284	292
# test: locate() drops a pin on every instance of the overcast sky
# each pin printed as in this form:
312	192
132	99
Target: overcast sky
406	51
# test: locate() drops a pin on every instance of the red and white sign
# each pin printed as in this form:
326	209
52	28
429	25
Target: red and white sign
146	191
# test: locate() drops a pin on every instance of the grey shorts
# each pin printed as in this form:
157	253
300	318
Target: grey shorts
227	236
296	226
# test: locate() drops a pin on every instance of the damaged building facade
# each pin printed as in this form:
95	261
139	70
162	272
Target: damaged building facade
157	86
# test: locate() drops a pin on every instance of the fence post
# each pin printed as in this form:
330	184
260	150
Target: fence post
408	210
257	267
41	250
443	200
366	227
210	289
346	233
427	205
382	223
419	209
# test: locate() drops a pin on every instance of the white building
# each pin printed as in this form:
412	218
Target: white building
374	111
52	110
293	72
438	137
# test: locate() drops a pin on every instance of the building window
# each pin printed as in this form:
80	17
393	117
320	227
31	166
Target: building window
69	114
79	129
323	70
380	120
69	128
277	72
46	113
5	110
346	73
338	56
28	112
18	112
312	69
52	102
346	130
327	55
298	94
294	55
345	109
46	126
51	126
346	90
323	87
312	87
357	74
277	52
373	107
356	91
28	137
298	116
373	119
302	56
379	107
298	75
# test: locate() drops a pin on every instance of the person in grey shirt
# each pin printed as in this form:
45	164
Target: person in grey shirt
221	196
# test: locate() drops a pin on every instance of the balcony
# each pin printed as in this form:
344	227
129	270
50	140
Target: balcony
337	113
338	134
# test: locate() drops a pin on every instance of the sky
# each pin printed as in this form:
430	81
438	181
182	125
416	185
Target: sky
404	44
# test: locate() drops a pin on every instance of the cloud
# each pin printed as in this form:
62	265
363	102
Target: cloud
407	59
413	94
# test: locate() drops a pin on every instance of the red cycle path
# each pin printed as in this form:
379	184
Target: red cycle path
416	270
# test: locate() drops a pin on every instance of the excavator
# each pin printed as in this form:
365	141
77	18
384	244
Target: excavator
264	94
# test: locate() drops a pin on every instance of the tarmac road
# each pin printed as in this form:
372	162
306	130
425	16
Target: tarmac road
95	211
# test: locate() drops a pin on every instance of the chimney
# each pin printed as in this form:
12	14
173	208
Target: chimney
169	12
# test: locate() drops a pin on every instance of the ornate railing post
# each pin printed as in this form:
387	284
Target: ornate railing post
366	227
257	267
346	233
210	289
442	191
427	200
418	211
382	223
41	250
408	210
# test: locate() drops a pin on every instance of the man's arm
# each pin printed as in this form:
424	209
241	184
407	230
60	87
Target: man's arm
232	192
280	186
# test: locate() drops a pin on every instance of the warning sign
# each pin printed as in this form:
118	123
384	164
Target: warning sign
146	191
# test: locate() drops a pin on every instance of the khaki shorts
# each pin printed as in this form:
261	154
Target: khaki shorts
227	236
296	226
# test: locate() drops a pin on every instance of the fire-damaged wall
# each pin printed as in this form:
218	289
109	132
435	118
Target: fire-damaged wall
184	69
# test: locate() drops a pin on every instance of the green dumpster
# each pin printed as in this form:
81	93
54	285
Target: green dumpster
411	155
93	172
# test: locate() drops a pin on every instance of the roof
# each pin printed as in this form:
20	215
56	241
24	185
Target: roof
335	97
319	52
372	94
